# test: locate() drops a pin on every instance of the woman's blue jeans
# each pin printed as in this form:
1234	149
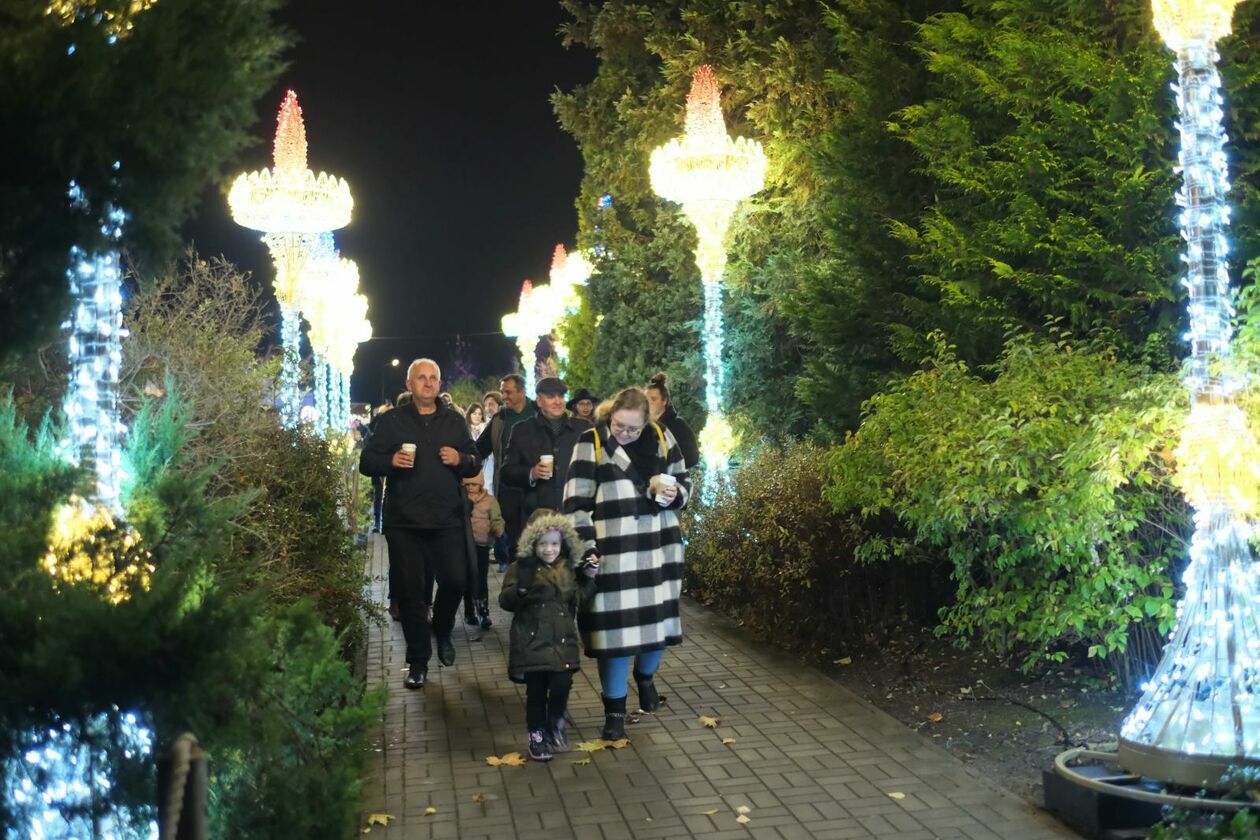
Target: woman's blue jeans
613	673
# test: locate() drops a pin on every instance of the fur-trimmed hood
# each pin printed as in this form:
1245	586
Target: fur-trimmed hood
545	520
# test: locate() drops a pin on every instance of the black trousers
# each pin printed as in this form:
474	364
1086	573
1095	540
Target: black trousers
479	590
414	554
546	697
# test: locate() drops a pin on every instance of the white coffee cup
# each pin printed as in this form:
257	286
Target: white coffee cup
664	480
410	449
548	461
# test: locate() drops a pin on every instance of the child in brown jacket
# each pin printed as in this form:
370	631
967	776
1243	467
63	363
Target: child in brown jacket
487	525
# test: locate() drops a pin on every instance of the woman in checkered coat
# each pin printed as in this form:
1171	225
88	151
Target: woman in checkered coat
626	483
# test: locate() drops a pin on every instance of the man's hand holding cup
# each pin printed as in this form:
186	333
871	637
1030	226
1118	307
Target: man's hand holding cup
545	467
405	457
450	456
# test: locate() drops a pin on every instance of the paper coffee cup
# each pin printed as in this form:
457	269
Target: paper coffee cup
410	449
664	480
547	459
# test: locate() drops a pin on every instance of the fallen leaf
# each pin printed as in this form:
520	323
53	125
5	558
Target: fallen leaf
479	797
590	746
512	759
709	812
742	819
896	795
619	744
936	717
430	811
743	809
848	660
710	722
379	819
728	740
582	761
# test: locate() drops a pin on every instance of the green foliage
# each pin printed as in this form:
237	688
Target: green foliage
143	125
1195	825
775	555
470	389
1045	484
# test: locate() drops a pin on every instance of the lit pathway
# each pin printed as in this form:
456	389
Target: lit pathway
810	759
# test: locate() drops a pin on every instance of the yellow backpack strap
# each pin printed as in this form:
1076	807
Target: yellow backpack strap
664	449
595	431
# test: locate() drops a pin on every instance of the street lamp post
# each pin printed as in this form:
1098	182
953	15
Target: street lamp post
1198	715
709	173
291	206
393	363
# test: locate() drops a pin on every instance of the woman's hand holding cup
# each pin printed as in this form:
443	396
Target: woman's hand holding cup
666	489
405	457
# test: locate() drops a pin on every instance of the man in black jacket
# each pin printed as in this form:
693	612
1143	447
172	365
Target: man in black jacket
425	452
551	433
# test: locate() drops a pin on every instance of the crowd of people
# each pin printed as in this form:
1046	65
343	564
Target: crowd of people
575	499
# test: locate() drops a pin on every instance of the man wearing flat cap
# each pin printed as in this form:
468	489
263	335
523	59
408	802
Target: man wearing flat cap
538	453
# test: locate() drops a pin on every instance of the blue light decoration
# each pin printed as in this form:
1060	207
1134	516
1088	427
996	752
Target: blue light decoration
60	784
96	332
1198	715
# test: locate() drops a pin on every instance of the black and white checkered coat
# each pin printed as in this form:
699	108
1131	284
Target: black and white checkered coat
635	608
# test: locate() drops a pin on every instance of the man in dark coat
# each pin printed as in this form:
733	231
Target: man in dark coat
551	432
425	451
493	441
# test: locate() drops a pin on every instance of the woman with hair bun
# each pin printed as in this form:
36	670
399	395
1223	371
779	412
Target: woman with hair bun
662	409
626	483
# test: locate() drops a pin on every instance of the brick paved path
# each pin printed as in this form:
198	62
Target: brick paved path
810	759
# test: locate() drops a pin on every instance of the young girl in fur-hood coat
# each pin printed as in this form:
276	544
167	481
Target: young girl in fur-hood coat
544	588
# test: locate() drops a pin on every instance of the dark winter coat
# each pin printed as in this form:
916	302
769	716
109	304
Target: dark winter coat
430	494
635	608
683	434
495	436
544	633
531	439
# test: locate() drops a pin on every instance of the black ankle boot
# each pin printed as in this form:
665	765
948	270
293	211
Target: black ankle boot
483	612
614	719
649	700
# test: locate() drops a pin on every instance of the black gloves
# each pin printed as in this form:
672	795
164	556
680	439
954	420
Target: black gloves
525	568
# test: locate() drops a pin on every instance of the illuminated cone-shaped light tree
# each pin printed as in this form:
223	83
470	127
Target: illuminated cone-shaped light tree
568	272
532	320
292	206
1198	714
709	173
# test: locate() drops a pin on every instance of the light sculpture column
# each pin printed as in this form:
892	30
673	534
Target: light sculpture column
338	324
529	323
95	354
291	205
568	272
709	173
1198	714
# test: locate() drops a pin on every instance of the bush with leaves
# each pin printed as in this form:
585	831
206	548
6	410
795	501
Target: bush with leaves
775	555
1044	480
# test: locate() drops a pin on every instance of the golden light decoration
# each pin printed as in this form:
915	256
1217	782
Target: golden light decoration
1218	459
718	442
568	272
337	314
533	318
87	546
1182	23
708	172
115	23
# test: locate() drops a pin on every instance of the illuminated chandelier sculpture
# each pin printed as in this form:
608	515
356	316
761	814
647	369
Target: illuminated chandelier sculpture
709	173
568	272
530	322
292	206
1199	714
337	315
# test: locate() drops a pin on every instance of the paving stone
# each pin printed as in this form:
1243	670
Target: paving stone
810	759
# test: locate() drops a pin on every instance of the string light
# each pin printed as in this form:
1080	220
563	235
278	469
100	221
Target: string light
115	22
88	547
337	315
292	206
709	173
60	784
533	318
95	352
569	272
1198	714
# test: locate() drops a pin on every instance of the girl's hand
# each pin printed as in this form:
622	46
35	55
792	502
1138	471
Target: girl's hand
591	567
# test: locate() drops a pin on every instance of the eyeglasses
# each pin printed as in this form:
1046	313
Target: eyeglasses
626	430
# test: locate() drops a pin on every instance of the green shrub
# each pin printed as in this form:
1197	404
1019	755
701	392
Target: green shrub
775	555
1042	484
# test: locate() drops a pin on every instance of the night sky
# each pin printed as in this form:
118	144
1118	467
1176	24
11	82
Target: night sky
439	117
